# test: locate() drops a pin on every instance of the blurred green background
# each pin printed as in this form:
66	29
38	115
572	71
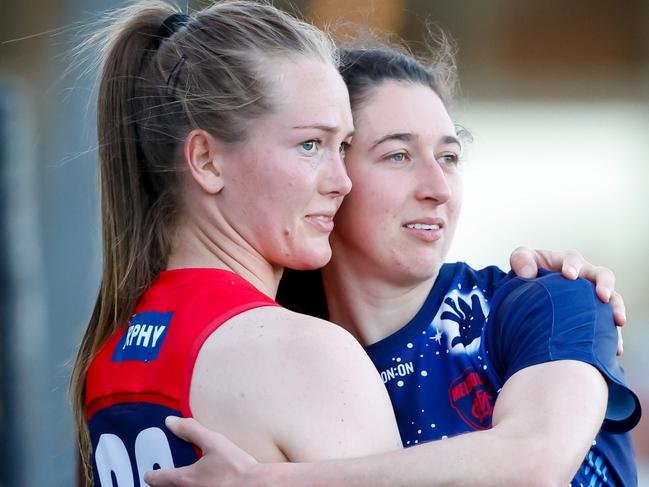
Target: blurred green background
555	92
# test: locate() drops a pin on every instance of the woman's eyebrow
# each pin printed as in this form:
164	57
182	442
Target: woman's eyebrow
319	126
450	139
331	129
324	127
405	136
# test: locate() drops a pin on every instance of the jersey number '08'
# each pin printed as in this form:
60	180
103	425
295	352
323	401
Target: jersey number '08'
113	463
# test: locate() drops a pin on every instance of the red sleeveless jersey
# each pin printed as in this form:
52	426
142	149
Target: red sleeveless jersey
143	372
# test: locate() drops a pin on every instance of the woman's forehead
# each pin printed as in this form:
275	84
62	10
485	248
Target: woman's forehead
305	81
403	108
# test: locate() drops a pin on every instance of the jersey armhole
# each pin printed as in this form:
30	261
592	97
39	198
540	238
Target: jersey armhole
185	408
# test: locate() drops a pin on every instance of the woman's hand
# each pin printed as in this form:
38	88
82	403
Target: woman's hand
223	464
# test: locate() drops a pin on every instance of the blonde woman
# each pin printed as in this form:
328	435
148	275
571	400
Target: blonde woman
221	145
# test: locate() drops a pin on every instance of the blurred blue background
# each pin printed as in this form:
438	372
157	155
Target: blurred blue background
555	92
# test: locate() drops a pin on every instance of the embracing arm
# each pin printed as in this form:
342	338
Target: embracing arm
544	422
545	418
486	456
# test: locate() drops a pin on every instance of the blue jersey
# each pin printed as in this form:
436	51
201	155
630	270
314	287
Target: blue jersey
444	369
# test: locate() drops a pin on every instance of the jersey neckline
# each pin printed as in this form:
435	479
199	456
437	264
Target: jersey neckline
193	274
421	321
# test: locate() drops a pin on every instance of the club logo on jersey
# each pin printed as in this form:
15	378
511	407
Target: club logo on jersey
461	318
472	399
144	337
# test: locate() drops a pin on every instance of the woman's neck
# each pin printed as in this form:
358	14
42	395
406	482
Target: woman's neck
371	308
195	246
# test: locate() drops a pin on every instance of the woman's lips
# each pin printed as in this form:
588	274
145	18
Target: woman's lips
426	229
322	222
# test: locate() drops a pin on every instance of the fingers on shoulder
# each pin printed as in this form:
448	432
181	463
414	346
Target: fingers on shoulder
523	262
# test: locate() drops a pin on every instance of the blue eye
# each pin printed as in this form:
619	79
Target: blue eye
449	159
398	157
310	146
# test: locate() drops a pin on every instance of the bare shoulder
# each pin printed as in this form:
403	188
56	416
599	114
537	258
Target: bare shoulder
291	353
285	335
287	379
280	321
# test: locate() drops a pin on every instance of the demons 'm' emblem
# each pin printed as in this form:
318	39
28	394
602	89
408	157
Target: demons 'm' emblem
472	399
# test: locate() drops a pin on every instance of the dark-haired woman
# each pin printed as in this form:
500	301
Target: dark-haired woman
525	367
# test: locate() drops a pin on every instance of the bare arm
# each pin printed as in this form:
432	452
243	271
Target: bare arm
507	439
537	439
288	387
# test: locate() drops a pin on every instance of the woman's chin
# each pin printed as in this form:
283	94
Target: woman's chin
310	260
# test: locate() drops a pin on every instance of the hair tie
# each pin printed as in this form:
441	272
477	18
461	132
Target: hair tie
172	24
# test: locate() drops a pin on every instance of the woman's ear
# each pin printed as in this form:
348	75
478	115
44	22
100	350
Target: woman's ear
203	155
